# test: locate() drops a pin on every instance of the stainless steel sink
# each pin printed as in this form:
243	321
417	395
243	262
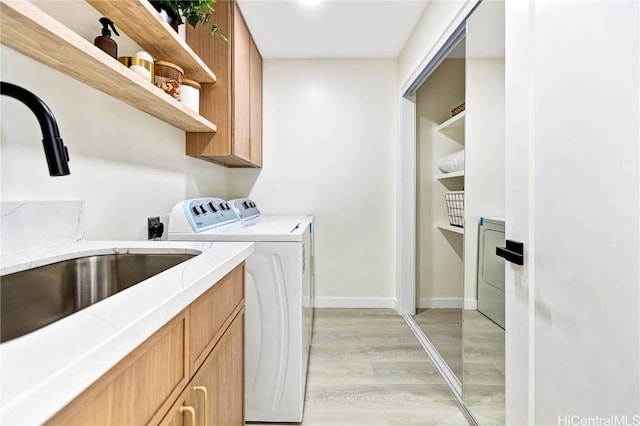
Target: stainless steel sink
36	297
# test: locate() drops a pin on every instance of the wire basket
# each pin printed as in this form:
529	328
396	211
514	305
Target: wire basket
455	207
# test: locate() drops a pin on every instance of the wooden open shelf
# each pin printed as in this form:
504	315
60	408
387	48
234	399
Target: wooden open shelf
32	32
140	21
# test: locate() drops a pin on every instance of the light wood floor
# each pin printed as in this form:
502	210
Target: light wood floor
483	384
478	344
443	327
367	368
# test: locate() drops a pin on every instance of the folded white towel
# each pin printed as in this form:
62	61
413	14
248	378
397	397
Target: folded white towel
453	162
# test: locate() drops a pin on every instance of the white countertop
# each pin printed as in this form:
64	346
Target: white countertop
44	370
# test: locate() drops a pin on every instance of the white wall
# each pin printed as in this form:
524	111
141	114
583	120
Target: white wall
438	21
125	164
329	150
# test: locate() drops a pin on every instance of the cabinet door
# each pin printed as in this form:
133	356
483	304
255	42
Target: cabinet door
255	111
241	86
138	389
212	312
573	308
234	102
183	412
215	396
223	376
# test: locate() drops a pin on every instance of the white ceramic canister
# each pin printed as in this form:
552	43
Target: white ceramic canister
140	69
190	94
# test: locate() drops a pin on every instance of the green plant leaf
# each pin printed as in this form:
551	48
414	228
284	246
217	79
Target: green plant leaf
195	12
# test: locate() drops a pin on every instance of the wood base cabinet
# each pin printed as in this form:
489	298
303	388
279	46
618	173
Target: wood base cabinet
189	372
235	101
215	395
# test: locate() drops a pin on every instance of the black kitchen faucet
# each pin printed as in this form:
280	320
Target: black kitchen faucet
55	151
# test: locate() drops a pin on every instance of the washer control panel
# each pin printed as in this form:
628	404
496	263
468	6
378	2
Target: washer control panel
207	213
245	208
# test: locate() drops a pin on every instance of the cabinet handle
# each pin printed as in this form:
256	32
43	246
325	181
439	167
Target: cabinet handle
191	411
206	402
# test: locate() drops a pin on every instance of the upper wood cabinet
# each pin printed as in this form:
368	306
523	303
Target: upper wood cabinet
235	101
255	104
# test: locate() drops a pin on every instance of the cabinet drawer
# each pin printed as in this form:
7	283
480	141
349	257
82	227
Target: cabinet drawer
211	314
146	381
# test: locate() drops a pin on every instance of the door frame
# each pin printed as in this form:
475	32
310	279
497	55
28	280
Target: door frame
406	197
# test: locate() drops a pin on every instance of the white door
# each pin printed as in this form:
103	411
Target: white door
573	198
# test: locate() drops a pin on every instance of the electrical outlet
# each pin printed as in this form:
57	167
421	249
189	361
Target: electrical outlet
154	228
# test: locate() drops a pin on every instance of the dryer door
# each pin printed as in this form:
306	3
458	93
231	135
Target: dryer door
491	271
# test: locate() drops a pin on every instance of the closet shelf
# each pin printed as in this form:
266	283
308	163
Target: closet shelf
450	175
30	31
455	122
454	127
447	227
140	21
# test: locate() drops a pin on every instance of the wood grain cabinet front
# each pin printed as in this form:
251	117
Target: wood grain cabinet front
235	101
211	314
215	395
139	387
195	361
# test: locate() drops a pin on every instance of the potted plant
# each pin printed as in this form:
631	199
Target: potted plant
194	11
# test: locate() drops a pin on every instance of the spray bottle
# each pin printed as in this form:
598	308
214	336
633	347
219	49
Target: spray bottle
105	42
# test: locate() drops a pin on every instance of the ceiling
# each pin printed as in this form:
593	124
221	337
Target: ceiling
331	28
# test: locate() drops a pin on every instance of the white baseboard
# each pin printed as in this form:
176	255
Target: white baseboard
348	302
470	304
439	303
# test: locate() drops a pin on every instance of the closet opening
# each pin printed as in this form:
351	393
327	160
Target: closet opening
459	205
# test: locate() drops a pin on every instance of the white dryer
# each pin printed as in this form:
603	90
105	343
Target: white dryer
278	297
491	270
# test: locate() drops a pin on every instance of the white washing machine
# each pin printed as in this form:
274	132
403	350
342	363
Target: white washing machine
278	297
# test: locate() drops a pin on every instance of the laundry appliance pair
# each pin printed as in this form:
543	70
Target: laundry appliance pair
278	297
